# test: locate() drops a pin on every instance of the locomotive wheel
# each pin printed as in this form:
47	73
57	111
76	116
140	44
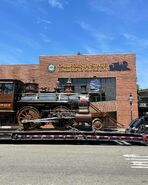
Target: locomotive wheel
96	124
27	113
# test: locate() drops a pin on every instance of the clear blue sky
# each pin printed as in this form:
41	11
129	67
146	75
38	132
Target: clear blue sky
30	28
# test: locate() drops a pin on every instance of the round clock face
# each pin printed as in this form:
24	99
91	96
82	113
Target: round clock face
51	68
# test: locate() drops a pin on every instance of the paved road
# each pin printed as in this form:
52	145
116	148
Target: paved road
73	165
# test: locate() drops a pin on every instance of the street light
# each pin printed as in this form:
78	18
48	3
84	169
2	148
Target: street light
131	105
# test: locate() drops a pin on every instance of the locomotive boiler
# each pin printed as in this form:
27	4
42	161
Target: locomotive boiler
33	108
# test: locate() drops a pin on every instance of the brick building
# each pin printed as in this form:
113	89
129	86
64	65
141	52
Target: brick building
113	75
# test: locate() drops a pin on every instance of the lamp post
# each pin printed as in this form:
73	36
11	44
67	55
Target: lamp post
131	105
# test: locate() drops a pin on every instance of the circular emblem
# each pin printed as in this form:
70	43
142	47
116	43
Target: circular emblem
51	68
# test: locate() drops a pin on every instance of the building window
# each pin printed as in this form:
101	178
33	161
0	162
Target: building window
83	88
99	89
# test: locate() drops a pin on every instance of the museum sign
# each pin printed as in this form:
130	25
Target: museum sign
117	66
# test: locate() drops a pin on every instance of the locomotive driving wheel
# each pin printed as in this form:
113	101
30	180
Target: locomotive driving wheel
27	113
96	124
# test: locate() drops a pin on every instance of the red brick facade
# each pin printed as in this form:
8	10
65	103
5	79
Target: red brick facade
82	66
21	72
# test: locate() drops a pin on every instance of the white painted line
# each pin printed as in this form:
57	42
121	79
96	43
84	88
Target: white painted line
140	167
139	162
134	155
140	157
130	159
145	165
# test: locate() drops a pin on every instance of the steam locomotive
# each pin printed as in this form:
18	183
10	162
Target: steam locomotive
33	108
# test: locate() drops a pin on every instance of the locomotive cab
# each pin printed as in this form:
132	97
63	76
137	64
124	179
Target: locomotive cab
9	93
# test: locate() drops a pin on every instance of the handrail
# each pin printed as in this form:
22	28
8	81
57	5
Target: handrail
112	119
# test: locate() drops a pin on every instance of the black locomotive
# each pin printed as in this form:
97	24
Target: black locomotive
32	108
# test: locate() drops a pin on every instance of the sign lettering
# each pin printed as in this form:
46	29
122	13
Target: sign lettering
82	67
117	66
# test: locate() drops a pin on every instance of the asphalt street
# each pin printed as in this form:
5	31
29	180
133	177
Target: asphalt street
73	165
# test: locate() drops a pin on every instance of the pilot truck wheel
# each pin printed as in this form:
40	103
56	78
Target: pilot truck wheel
96	124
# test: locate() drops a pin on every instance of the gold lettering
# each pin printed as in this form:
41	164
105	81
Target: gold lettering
83	67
